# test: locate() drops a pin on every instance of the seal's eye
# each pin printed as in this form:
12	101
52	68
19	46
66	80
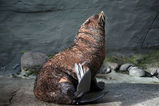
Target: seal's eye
96	16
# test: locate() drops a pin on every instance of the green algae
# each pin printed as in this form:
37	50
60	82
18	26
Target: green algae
34	73
50	56
22	51
141	60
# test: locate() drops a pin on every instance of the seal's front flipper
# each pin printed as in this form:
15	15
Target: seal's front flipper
83	94
85	82
84	79
97	86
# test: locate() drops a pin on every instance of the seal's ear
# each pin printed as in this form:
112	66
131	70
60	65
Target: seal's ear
86	22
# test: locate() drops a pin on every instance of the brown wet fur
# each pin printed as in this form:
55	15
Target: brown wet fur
57	80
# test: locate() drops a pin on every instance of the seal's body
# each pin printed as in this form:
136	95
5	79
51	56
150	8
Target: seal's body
57	80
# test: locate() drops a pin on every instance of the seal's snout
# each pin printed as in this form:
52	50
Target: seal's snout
102	13
101	18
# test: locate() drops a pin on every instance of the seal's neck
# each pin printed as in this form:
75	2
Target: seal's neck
96	33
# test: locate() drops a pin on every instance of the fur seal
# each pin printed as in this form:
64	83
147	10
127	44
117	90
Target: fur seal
57	79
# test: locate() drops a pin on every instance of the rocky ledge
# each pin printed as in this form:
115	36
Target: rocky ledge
123	90
130	81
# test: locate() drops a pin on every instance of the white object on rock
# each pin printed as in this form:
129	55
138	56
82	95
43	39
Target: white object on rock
136	71
108	71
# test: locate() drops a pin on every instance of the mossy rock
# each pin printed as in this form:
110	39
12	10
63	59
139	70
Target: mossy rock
141	60
26	73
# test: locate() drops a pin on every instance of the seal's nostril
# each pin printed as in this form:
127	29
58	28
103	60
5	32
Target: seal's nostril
102	20
103	17
102	12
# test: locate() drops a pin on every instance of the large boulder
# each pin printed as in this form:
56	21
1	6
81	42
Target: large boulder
31	62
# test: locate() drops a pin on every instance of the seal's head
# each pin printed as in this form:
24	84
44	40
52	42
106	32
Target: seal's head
95	21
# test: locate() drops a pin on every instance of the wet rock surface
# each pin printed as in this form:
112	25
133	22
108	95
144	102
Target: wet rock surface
123	90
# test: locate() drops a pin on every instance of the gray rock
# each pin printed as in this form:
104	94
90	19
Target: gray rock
136	71
104	69
108	67
125	67
113	66
31	62
153	70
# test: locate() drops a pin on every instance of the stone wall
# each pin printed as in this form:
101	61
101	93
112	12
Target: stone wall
50	25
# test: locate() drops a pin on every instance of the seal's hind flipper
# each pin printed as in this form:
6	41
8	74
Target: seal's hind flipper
97	86
84	79
100	85
91	97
